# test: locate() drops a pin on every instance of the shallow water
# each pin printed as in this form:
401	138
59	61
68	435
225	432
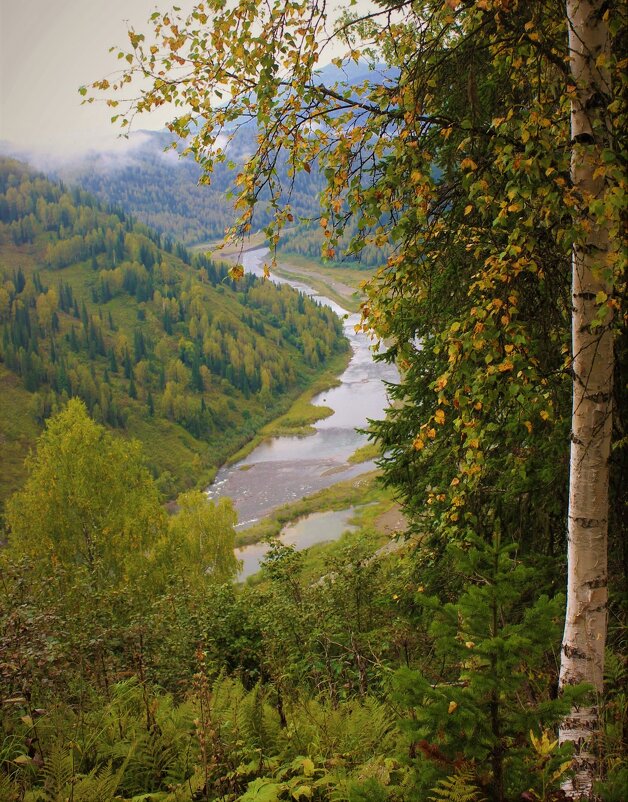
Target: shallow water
318	527
284	469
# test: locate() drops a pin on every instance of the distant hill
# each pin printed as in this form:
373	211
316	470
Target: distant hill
161	189
150	181
159	344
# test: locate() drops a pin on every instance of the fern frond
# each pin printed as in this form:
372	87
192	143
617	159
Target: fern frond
58	771
459	787
101	784
360	728
259	722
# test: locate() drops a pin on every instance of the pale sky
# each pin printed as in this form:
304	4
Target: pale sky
48	48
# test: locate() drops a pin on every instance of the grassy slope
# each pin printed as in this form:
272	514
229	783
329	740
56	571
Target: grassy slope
18	431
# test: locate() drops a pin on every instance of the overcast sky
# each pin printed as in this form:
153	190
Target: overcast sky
48	48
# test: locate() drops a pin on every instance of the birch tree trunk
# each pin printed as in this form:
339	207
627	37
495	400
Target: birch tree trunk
582	656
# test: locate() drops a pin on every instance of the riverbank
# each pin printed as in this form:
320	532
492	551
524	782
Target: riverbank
299	419
354	492
341	284
357	515
279	466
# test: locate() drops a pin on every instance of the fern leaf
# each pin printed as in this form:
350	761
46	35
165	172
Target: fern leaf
459	787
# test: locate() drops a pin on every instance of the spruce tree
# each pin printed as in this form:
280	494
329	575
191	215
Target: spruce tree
126	362
491	677
113	362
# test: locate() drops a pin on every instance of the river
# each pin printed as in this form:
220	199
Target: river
318	527
283	469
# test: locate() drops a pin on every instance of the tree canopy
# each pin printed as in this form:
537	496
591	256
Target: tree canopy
156	341
202	537
454	150
88	501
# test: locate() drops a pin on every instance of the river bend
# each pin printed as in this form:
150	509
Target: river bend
284	469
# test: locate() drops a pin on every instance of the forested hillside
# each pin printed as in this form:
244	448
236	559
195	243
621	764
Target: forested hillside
194	212
164	347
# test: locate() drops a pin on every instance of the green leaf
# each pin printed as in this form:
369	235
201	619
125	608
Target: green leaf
304	764
263	790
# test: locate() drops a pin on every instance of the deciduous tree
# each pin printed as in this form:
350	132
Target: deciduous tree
89	500
203	537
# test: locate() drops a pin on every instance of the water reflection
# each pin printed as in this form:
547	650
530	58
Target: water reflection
319	527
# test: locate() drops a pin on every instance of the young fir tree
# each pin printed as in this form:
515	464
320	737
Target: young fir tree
492	677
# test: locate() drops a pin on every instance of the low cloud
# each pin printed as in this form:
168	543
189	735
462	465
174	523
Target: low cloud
103	153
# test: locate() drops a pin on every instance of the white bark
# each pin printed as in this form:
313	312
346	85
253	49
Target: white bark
582	657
